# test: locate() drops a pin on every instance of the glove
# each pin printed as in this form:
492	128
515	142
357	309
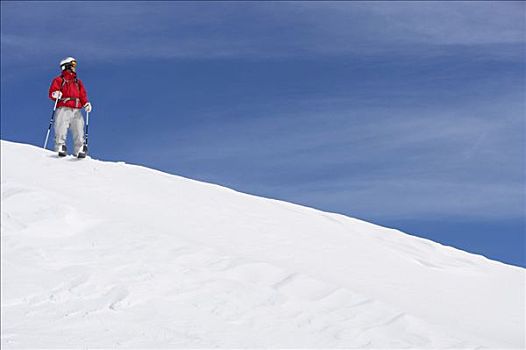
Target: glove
56	94
87	107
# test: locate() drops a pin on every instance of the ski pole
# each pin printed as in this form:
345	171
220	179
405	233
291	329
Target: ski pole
86	133
51	123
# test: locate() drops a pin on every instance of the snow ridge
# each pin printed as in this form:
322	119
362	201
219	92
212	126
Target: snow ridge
103	254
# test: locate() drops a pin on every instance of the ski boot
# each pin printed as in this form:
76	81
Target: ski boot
62	151
83	152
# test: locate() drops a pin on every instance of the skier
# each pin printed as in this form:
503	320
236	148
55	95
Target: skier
72	97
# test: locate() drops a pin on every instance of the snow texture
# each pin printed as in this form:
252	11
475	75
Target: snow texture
111	255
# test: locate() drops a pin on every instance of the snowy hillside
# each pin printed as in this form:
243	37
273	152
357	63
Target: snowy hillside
103	254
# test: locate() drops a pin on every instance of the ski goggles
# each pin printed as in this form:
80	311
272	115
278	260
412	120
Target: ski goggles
73	63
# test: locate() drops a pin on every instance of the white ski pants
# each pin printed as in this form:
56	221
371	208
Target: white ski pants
69	118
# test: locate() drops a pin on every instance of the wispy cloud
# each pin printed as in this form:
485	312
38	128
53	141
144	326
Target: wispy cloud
157	30
385	162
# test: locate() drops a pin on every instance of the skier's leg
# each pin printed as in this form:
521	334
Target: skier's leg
77	129
62	119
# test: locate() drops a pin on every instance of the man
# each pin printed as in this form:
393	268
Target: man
72	97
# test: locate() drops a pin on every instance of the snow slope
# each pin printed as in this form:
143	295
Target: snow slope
103	254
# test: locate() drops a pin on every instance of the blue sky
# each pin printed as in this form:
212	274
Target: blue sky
407	114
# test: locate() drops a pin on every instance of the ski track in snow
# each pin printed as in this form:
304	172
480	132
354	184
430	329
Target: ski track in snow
165	262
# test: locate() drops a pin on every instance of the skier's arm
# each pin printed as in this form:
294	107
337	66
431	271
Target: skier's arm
55	86
83	94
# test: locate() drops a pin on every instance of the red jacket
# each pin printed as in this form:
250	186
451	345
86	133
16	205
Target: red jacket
73	92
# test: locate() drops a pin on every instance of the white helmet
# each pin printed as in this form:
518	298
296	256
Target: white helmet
67	62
